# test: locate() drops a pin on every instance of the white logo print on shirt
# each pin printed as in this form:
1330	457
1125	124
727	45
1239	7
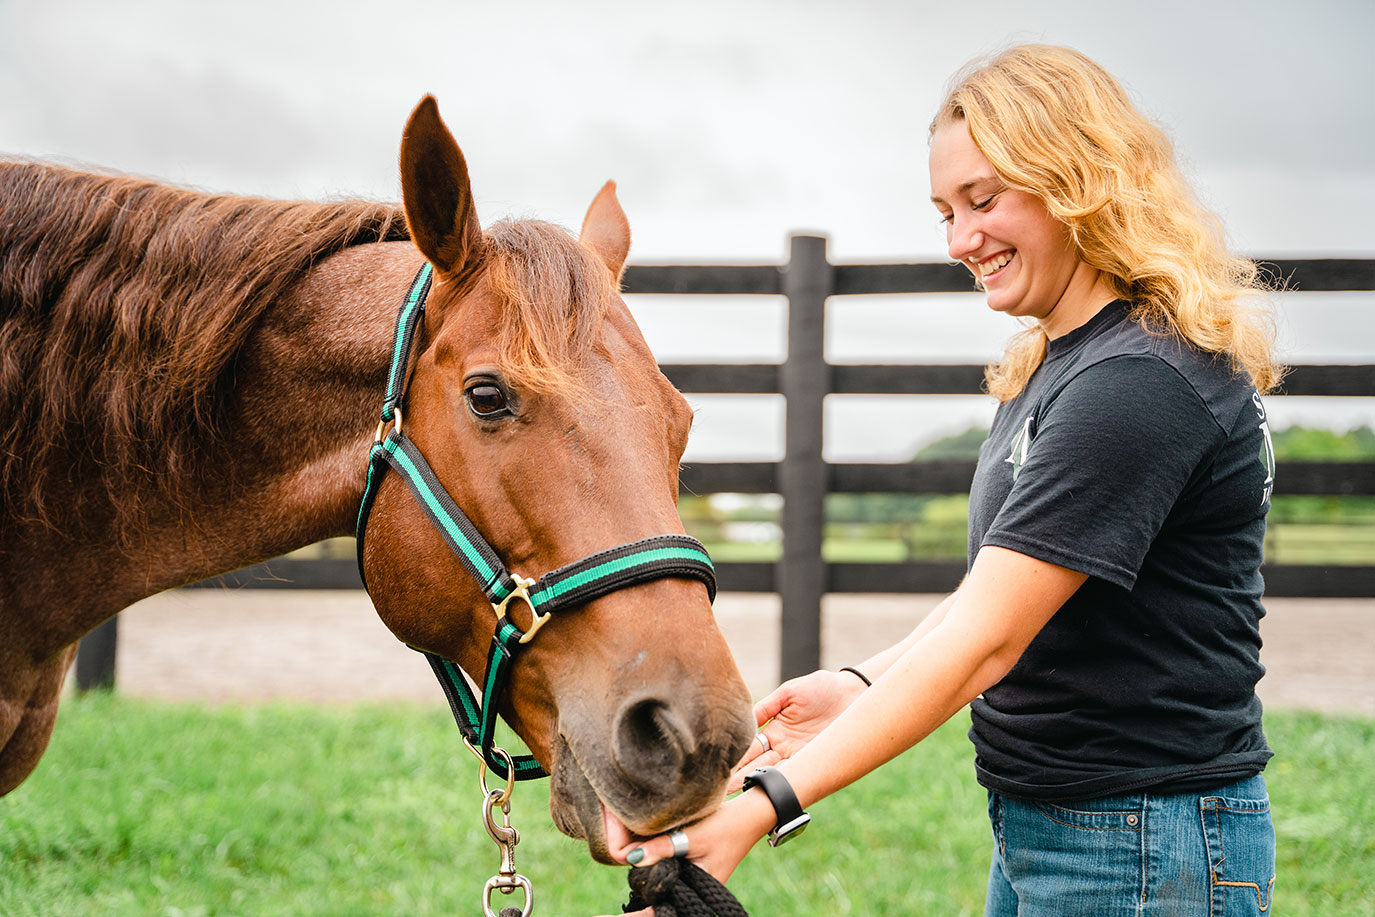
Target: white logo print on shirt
1017	457
1267	451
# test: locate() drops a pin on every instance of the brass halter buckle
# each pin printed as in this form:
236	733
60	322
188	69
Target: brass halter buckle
522	591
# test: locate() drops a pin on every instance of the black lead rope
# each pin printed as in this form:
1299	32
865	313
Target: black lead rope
567	587
680	888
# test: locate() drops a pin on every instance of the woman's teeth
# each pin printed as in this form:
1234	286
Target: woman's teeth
994	263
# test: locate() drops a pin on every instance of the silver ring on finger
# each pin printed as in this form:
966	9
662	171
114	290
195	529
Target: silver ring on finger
763	740
680	842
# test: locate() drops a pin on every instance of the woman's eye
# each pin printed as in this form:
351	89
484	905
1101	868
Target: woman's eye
486	400
980	205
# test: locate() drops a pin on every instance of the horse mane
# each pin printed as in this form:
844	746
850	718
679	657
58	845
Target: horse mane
124	304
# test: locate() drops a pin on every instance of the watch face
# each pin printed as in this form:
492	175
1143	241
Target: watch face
789	831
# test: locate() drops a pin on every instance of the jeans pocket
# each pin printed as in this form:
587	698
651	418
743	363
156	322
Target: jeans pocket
1240	838
1080	859
1097	815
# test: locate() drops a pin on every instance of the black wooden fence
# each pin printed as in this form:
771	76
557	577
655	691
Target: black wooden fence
803	477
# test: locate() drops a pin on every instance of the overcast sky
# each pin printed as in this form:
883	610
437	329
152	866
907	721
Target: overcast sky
726	126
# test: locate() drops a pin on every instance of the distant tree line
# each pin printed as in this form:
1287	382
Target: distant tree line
934	525
1296	443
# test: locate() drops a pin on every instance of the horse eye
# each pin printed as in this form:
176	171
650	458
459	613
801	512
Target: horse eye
486	400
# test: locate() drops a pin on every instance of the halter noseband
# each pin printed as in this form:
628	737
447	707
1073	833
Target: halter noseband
567	587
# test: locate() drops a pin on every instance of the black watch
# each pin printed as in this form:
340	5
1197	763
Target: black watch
791	819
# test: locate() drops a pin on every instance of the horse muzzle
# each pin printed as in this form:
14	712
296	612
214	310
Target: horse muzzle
661	761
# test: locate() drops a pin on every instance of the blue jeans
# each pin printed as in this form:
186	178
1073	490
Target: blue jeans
1143	855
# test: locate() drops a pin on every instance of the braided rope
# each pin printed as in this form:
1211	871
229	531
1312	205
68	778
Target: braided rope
680	888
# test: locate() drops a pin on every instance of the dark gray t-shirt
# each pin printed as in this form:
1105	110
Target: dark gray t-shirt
1146	464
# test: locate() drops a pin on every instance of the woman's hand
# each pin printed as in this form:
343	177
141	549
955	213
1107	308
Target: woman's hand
717	843
794	714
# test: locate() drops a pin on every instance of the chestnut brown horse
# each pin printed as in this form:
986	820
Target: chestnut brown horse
190	384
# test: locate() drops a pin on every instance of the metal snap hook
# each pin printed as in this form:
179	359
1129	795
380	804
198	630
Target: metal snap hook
505	833
507	885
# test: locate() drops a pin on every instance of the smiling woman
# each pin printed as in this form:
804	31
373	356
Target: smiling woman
1106	637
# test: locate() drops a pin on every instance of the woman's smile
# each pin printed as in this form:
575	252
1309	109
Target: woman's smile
990	269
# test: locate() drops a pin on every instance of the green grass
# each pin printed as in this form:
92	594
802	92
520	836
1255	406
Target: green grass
143	808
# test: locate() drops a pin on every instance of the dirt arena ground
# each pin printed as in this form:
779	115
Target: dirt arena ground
252	645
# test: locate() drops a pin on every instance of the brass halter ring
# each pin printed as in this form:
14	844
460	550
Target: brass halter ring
503	797
382	425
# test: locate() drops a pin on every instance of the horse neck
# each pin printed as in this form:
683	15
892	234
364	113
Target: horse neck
289	468
311	383
287	472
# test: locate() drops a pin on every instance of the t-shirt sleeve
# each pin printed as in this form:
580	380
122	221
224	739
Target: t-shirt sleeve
1108	459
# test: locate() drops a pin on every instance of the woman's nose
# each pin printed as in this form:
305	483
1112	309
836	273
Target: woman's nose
963	237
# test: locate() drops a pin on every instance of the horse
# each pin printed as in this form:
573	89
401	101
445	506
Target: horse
190	384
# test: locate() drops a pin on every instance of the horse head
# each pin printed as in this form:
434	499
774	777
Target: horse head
544	415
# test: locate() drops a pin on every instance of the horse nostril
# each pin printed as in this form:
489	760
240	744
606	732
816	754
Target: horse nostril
651	741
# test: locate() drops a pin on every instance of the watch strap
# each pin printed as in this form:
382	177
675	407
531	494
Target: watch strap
791	818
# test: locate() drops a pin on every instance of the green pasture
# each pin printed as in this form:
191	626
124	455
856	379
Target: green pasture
143	808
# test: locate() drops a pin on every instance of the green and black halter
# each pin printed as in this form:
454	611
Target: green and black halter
558	590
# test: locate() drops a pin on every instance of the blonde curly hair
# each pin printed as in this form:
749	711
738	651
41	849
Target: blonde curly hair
1055	124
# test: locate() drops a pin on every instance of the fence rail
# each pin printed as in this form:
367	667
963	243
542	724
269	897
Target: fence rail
803	478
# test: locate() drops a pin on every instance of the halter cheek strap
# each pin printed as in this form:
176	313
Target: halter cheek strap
565	588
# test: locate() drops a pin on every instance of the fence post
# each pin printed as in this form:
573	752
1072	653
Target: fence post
804	381
95	658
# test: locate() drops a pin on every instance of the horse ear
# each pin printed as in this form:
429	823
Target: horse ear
437	195
605	229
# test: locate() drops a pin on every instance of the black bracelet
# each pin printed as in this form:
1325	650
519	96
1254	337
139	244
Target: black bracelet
857	673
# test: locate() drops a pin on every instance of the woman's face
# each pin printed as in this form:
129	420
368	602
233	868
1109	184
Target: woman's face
1007	238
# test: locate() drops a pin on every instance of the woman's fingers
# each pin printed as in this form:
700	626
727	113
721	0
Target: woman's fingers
771	706
759	746
760	753
652	851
